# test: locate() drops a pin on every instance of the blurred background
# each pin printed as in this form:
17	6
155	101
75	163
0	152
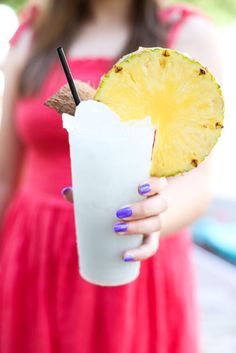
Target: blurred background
215	233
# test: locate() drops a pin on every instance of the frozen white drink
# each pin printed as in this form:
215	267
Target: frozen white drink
109	159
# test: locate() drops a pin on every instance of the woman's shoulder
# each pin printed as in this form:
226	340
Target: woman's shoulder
193	32
175	16
27	18
178	12
20	43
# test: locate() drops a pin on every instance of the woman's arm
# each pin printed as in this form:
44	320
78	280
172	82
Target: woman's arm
189	195
10	147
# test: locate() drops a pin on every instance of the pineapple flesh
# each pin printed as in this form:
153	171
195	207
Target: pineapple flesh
182	98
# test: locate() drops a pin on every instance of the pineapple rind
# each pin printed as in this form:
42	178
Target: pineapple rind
212	134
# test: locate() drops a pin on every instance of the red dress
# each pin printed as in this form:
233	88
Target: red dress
45	306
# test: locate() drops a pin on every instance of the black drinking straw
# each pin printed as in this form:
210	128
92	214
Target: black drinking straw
68	74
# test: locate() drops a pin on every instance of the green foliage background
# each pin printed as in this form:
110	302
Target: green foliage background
221	10
16	4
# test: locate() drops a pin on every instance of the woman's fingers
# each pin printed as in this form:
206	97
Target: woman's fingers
152	186
144	226
153	205
141	218
148	207
67	193
147	249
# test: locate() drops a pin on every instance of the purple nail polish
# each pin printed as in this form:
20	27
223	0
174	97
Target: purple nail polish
65	190
128	258
144	189
120	227
124	212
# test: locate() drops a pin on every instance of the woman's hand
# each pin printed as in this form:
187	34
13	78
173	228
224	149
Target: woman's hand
143	217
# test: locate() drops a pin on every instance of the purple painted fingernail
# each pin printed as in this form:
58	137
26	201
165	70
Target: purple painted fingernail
144	189
124	212
128	258
66	190
120	227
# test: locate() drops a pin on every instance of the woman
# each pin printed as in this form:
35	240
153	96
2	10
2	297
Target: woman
44	304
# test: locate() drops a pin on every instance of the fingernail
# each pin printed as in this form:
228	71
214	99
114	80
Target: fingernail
124	212
144	189
128	258
120	227
66	190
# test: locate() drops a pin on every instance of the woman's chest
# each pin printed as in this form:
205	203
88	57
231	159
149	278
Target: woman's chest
41	127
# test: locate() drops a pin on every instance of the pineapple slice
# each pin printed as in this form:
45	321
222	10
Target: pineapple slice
178	93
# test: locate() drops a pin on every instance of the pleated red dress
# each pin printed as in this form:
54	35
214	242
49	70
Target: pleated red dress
45	306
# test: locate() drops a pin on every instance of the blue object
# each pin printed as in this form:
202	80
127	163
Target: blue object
218	236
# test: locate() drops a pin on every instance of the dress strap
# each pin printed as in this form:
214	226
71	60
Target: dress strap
175	16
27	16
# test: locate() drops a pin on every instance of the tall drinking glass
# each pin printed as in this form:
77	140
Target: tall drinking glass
107	167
